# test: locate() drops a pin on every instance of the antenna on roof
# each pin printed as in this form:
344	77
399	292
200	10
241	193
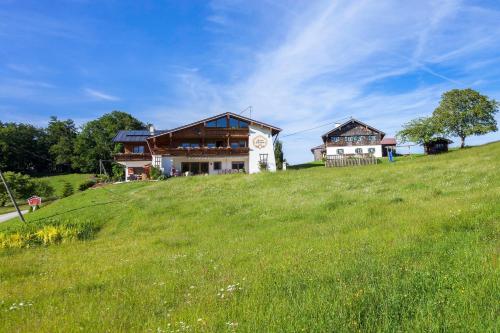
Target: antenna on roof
249	109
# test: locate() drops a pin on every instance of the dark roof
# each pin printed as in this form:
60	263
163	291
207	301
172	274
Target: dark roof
274	129
351	121
440	140
134	135
318	147
388	141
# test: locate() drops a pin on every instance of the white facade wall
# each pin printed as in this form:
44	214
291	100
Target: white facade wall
352	150
257	147
226	162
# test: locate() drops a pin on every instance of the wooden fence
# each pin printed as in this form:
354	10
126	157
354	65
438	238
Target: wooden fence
349	160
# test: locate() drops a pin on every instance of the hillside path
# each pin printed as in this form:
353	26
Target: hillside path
8	216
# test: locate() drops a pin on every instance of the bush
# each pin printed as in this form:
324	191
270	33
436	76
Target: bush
67	189
43	189
87	184
29	235
118	172
155	173
23	187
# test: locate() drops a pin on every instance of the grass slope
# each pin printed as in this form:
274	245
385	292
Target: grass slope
408	246
57	182
75	179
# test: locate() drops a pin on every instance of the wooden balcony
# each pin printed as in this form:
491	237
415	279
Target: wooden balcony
203	151
123	157
362	142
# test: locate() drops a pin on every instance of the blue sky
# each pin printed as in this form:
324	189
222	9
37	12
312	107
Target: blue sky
299	64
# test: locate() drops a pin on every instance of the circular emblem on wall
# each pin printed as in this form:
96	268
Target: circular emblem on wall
259	142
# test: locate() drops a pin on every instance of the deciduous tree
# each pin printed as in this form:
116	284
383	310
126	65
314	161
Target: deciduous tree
420	130
465	112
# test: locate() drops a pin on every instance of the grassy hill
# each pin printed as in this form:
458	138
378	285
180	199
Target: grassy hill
408	246
57	182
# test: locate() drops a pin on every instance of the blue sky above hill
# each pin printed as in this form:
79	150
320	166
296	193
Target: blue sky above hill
299	64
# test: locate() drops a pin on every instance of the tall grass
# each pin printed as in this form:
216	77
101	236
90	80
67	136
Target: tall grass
408	246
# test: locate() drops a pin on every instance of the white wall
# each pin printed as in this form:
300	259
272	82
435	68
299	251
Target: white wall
254	154
226	162
352	150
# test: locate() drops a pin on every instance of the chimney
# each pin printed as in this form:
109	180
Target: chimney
151	130
337	125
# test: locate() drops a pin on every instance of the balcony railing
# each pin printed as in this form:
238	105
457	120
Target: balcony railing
132	157
203	151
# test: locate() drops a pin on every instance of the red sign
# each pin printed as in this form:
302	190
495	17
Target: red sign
34	201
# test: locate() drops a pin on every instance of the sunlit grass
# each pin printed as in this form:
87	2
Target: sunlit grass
407	246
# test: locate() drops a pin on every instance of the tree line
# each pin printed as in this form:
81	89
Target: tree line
61	146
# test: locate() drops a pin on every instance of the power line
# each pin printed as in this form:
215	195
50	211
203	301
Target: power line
316	127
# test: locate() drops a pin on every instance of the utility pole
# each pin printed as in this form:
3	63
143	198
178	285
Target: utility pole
11	197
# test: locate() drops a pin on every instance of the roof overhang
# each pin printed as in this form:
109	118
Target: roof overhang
275	130
352	120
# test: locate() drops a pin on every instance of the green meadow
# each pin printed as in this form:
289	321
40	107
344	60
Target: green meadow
394	247
57	182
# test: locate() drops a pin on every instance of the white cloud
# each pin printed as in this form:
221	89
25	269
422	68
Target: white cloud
99	95
333	54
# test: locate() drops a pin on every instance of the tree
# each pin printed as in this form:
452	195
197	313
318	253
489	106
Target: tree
420	130
67	189
23	148
23	187
61	135
278	154
465	112
95	141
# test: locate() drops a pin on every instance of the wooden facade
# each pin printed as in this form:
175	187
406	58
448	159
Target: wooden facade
353	133
221	144
437	146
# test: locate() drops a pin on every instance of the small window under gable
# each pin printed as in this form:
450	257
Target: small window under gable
340	151
219	123
236	123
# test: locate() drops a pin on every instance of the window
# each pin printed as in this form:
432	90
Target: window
335	139
185	145
211	145
157	161
233	123
263	158
217	165
195	145
219	144
340	151
348	138
238	144
371	150
236	123
372	137
238	165
138	150
359	150
220	123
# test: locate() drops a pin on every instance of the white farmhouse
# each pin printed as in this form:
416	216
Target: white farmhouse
225	143
356	138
